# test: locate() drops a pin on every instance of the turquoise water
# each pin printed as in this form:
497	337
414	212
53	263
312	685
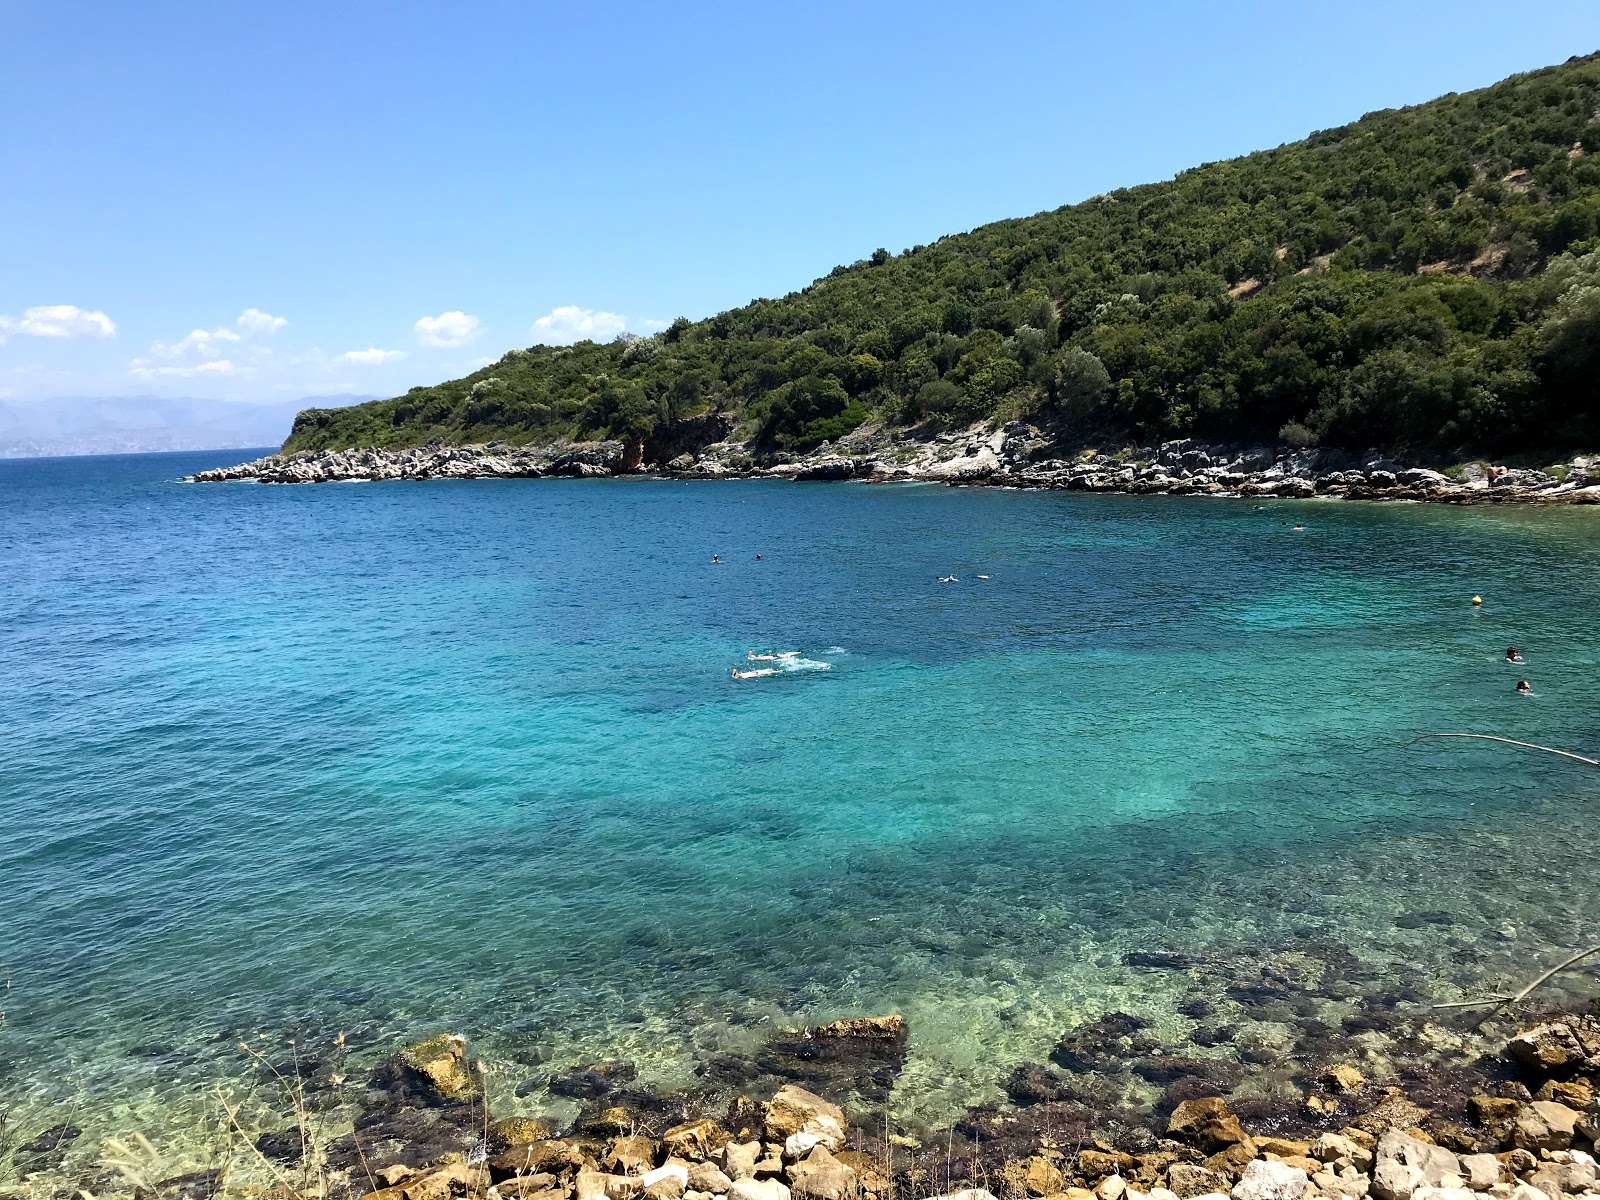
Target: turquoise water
391	758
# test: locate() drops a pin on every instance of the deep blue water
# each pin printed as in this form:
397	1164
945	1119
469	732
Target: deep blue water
392	758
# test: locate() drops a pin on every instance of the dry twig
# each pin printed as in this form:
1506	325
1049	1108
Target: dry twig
1502	1001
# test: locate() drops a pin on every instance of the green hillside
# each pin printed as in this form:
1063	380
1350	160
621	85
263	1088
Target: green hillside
1425	277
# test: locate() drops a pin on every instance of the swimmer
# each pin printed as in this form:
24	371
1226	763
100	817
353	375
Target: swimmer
948	579
1513	655
738	674
983	577
754	657
1300	528
1523	688
758	558
716	558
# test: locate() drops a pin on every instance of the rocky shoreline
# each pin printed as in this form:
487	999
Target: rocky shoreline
1017	455
807	1118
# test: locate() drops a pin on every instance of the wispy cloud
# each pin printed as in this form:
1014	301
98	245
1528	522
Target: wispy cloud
372	356
59	321
210	351
143	369
569	323
447	329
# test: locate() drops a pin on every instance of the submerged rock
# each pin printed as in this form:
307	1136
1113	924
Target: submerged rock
430	1072
49	1149
593	1081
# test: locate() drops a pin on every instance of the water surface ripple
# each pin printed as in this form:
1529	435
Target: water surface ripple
401	757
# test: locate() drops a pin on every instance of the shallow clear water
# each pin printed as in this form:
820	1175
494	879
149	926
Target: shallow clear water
392	758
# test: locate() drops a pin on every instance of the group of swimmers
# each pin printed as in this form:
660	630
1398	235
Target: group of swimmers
758	672
1513	655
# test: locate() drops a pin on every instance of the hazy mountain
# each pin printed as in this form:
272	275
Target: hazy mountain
136	424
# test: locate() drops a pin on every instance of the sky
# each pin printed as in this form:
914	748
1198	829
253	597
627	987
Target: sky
255	202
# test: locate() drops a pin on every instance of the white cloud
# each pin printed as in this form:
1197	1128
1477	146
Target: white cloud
447	329
569	323
143	368
59	321
255	323
372	357
210	351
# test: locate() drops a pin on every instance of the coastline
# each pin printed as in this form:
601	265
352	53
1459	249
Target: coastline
1017	455
808	1118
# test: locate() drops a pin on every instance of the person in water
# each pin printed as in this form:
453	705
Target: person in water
1523	688
716	558
738	674
1513	655
754	657
758	558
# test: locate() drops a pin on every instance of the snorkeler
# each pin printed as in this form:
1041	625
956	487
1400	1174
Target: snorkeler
1523	688
1513	655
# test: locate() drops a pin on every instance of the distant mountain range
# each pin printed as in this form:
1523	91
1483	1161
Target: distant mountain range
139	424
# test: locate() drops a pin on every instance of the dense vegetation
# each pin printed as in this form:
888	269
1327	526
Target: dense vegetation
1425	277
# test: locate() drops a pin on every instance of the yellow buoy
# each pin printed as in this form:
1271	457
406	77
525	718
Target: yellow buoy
1477	599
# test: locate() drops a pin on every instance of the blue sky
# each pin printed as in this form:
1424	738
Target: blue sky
267	200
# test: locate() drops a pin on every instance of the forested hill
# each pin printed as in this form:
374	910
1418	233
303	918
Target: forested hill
1426	277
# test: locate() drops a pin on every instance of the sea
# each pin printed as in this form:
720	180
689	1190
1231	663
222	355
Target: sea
286	764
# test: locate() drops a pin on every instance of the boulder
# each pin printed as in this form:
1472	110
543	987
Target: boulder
1560	1047
695	1140
1097	1164
516	1131
707	1177
1433	1163
739	1159
794	1110
820	1176
1394	1111
758	1189
1267	1180
631	1155
1207	1124
1544	1125
1341	1077
1394	1180
826	469
1481	1171
553	1156
666	1182
433	1072
1187	1181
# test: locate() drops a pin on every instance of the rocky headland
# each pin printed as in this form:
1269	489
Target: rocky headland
1015	455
